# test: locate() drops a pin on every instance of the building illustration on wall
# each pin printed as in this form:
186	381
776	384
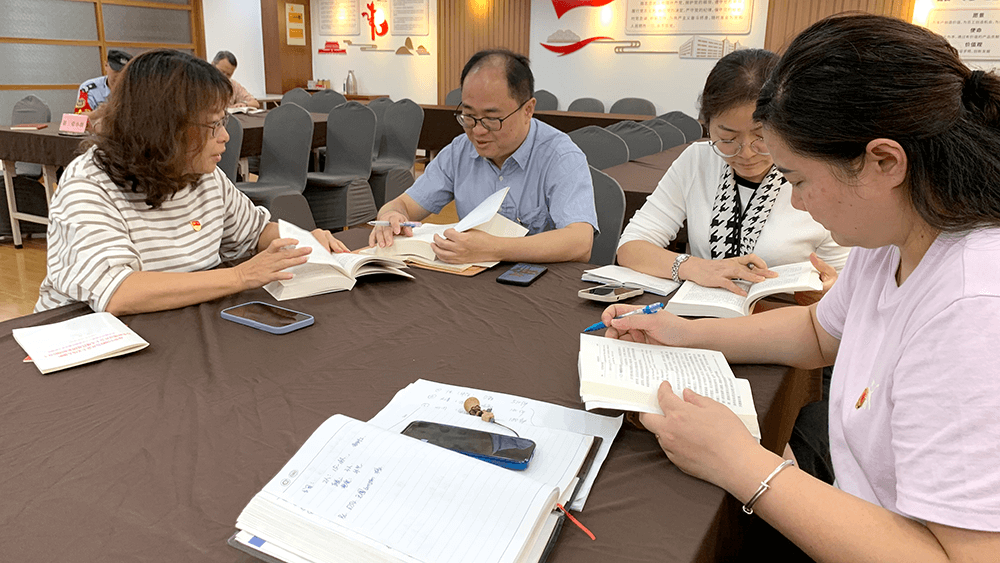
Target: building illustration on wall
699	47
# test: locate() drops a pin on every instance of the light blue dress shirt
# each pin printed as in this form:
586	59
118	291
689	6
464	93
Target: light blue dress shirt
548	177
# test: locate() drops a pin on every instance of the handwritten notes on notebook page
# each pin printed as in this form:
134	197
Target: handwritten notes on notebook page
365	494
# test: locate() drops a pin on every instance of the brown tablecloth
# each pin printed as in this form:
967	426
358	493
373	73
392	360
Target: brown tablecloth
44	146
152	456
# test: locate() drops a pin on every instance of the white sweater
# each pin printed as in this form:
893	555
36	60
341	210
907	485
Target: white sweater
687	192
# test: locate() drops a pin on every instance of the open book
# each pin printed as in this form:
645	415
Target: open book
630	278
417	249
325	271
693	300
355	492
621	375
77	341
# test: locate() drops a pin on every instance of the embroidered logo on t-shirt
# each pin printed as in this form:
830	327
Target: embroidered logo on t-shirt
196	225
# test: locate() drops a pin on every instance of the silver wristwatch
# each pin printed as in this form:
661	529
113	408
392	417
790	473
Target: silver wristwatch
676	269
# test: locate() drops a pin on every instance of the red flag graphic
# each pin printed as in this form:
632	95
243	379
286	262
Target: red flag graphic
573	47
563	6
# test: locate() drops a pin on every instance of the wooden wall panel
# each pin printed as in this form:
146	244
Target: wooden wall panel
787	18
467	26
285	66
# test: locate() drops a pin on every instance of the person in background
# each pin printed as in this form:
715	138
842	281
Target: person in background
95	92
893	144
226	63
551	193
736	203
143	218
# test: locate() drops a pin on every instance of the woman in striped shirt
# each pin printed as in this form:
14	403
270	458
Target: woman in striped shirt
143	217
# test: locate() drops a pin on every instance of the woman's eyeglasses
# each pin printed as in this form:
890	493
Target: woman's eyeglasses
729	149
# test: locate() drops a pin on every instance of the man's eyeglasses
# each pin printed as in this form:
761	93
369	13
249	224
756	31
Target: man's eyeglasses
488	123
732	148
217	126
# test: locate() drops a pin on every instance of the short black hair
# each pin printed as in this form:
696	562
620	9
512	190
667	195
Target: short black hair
520	81
734	81
228	55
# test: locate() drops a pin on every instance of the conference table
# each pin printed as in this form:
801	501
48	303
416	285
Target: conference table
638	178
151	456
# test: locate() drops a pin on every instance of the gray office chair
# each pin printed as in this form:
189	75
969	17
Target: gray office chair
324	101
379	105
297	95
641	140
592	105
340	196
603	148
392	172
609	198
670	134
30	109
546	101
453	98
688	125
231	158
635	106
284	158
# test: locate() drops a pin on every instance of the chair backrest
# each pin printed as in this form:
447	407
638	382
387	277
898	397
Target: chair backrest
587	104
609	199
688	125
635	106
350	134
603	148
324	101
379	105
298	96
641	140
286	146
231	158
403	121
30	109
453	98
546	101
670	134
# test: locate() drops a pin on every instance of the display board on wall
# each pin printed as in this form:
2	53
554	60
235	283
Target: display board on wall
339	17
683	17
295	24
971	26
410	17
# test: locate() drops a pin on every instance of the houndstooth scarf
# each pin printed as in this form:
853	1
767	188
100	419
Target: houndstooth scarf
735	227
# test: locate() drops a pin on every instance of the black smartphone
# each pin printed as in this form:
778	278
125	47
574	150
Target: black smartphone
522	274
510	452
267	317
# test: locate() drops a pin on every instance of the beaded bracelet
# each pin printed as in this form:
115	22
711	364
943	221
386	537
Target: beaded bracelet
764	486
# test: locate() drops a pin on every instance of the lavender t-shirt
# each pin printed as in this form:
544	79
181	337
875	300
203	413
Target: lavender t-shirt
915	398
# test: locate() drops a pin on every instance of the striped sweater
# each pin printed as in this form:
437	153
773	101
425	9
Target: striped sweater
99	233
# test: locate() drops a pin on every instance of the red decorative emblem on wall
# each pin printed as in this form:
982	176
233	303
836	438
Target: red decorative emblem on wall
563	6
573	47
380	28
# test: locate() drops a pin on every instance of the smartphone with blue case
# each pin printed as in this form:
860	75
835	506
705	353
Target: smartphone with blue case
267	317
510	452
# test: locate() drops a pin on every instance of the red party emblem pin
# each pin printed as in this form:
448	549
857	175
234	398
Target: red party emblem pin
196	225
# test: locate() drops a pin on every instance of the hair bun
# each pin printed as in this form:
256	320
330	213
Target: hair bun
974	95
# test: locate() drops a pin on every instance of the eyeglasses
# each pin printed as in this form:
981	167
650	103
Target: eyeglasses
488	123
217	126
732	148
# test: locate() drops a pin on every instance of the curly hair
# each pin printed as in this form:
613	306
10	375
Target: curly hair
850	79
150	129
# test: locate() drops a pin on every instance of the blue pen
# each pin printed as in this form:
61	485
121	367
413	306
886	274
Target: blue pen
647	310
411	224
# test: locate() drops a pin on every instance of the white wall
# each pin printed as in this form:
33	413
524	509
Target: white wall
596	71
234	25
380	72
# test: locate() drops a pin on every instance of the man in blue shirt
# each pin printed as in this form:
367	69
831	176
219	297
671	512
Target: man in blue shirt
96	91
551	193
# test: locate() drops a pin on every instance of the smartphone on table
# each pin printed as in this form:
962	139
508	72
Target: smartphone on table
522	274
510	452
609	293
267	317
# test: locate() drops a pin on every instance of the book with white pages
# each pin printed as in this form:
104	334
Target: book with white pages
356	492
326	271
78	341
628	277
621	375
417	248
693	300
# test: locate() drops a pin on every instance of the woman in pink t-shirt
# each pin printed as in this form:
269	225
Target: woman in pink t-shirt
892	144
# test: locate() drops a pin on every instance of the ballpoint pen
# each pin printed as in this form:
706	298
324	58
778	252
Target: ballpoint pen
411	224
647	310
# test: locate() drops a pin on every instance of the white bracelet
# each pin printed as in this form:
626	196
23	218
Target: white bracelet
764	486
